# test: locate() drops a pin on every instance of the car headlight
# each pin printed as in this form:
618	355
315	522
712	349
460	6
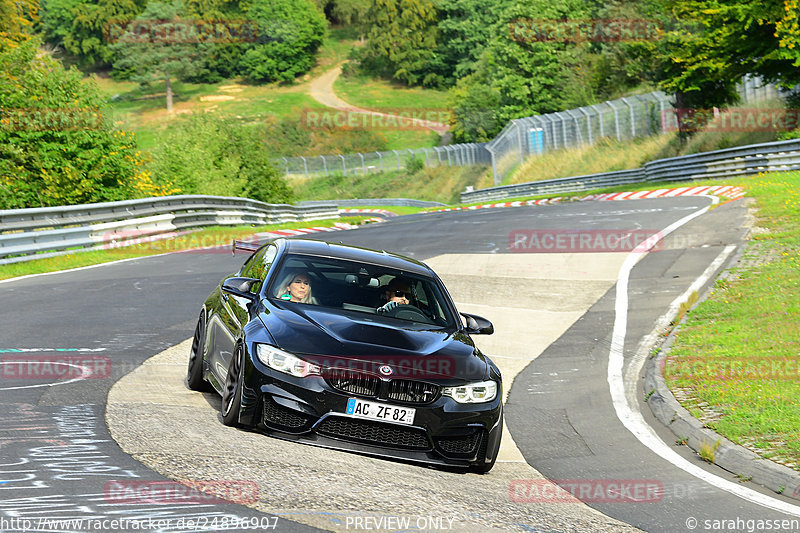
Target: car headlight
285	362
482	392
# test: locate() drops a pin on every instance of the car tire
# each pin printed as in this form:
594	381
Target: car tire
232	393
481	466
194	375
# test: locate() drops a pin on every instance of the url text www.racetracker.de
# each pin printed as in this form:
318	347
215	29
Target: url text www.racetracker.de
195	523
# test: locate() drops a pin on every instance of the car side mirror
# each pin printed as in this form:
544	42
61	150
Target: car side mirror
240	287
477	325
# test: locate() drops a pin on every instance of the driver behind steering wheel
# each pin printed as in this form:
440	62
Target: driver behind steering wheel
397	292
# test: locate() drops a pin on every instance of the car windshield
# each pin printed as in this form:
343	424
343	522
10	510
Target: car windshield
361	288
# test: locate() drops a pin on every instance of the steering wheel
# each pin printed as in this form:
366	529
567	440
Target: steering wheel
407	312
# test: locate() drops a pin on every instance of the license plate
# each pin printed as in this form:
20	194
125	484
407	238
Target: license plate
379	411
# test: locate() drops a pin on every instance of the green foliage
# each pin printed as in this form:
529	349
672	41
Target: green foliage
517	76
290	32
414	165
160	45
464	29
208	155
87	35
16	19
56	147
402	41
289	137
734	38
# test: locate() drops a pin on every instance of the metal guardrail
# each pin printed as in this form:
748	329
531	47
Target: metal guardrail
35	233
359	202
730	162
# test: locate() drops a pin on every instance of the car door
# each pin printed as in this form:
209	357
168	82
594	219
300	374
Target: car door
233	312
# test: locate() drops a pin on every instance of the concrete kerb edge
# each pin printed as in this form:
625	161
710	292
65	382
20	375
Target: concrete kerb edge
729	456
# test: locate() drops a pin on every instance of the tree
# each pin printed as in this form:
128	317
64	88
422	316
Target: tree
401	42
204	154
464	29
518	74
289	34
159	45
88	35
732	39
56	146
16	20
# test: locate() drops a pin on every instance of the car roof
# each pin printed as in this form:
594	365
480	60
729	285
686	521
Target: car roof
354	253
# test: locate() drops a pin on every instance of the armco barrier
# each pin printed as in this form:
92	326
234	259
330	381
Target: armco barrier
731	162
35	233
359	202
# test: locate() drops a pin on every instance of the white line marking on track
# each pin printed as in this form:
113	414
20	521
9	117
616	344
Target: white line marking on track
630	416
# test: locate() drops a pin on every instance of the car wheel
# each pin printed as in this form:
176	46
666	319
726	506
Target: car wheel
194	377
232	393
481	466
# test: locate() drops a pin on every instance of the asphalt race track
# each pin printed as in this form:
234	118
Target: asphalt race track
71	450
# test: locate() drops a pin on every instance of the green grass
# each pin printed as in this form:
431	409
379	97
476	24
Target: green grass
213	236
377	94
605	156
440	184
738	354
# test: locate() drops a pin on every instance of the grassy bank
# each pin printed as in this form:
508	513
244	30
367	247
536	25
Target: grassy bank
213	236
735	363
440	184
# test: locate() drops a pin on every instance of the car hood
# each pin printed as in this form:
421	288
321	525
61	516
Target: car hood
357	341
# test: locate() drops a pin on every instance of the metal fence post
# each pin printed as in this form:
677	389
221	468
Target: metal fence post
363	166
427	162
324	164
344	166
494	166
633	125
380	159
398	159
588	124
616	119
518	124
305	166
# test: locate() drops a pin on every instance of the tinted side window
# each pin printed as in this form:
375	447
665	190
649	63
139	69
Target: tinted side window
258	265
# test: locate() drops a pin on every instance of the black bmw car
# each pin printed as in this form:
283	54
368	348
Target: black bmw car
352	349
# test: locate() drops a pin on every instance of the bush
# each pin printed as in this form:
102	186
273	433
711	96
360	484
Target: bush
290	32
205	154
56	145
414	165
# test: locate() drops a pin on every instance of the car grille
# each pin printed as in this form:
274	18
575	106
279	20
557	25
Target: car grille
398	390
460	446
377	433
407	391
285	419
353	382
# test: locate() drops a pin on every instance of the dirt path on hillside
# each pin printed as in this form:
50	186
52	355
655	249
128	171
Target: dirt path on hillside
321	90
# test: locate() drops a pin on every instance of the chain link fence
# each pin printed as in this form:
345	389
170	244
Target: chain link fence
620	119
367	162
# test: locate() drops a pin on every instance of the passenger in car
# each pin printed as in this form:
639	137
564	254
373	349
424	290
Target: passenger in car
296	288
